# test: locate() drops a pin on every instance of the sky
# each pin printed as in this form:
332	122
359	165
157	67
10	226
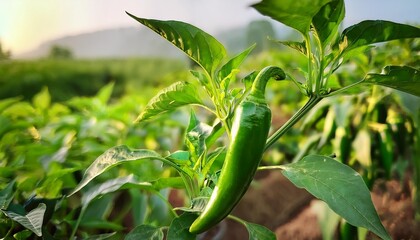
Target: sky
25	24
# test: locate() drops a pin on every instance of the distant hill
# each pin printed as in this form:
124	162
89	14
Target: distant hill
121	42
142	42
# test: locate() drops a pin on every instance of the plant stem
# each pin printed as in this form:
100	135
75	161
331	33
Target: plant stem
275	167
206	108
293	120
319	80
343	89
310	67
217	100
10	231
166	201
237	219
186	177
73	233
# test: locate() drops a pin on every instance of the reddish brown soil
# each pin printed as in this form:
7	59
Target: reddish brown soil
278	205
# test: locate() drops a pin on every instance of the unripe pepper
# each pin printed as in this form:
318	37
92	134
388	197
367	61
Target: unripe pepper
251	124
386	149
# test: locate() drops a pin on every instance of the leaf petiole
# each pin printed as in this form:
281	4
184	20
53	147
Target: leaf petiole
341	90
293	120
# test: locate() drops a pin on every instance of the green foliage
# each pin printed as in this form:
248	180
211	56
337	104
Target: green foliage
369	32
6	195
327	21
257	232
44	147
340	187
32	220
177	95
59	52
145	232
201	47
402	78
297	15
179	227
115	156
66	78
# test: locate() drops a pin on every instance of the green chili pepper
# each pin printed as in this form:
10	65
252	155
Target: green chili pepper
343	135
251	123
386	150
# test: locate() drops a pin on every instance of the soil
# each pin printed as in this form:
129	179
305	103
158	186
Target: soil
292	213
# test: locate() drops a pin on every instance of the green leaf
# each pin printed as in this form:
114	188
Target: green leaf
42	100
139	206
145	232
105	93
362	146
354	54
113	157
249	79
195	138
179	228
49	203
258	232
51	186
298	46
193	122
5	103
340	187
234	63
295	14
22	235
199	203
62	153
375	31
101	224
17	208
197	44
177	95
328	19
113	185
402	78
180	157
32	221
168	182
216	132
204	80
329	128
159	210
19	109
96	214
101	236
224	86
6	195
387	148
217	157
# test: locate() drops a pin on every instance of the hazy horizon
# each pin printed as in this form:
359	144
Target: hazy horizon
25	24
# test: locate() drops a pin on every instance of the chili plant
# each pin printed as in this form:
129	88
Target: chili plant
232	106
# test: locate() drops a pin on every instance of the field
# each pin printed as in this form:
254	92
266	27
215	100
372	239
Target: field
133	148
67	78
